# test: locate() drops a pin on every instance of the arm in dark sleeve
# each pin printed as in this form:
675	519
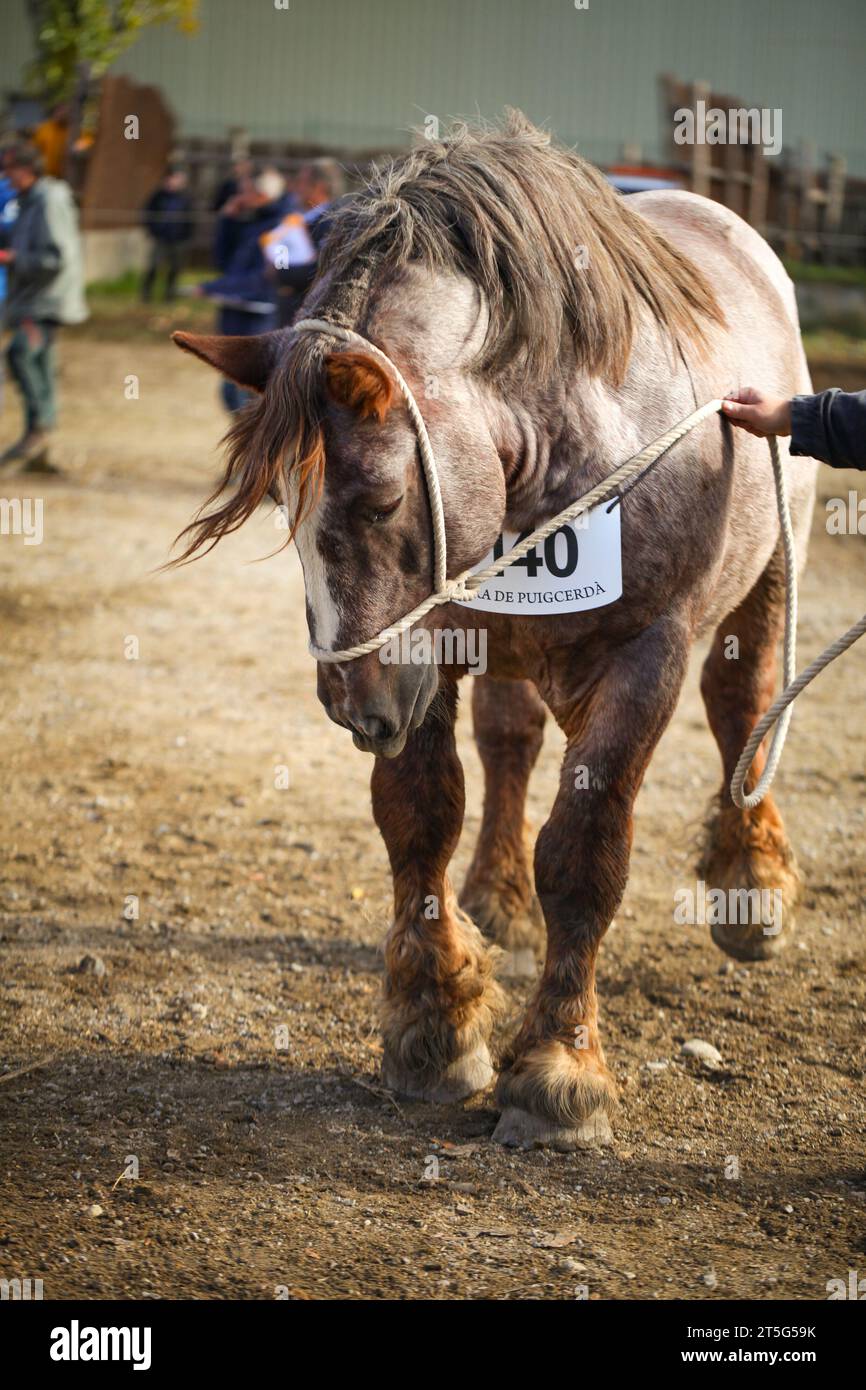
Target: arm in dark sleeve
830	426
225	242
41	257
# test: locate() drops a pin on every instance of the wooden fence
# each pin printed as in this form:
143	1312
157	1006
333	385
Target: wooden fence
808	210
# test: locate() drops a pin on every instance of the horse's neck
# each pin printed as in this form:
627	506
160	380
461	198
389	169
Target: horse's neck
343	300
562	438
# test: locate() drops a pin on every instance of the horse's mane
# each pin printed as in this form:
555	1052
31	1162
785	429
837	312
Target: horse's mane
549	243
555	252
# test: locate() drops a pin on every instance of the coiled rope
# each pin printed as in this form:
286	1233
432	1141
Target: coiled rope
465	586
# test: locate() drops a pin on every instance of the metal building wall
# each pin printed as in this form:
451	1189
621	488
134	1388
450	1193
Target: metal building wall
362	72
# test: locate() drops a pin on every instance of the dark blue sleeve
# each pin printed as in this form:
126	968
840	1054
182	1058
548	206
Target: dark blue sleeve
225	242
151	214
830	426
187	223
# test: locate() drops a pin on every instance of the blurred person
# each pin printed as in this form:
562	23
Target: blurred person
8	213
51	138
239	180
41	250
245	294
168	220
236	201
293	250
830	426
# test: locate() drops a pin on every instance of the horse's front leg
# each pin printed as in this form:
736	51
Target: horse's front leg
555	1088
440	995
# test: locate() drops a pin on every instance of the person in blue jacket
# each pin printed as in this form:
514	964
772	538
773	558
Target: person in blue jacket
168	220
830	426
244	291
8	211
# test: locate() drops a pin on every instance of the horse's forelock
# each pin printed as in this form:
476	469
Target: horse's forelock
277	435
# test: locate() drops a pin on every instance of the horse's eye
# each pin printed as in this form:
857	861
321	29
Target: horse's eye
374	515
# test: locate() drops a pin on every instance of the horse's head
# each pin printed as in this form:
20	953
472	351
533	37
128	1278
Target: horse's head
330	439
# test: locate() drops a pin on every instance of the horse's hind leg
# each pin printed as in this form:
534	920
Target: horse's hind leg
440	995
499	894
747	854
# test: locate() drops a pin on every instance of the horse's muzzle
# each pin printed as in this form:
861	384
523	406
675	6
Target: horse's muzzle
379	713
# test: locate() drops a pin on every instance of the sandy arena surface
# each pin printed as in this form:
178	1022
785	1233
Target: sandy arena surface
158	1143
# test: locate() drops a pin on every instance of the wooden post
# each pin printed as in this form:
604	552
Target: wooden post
835	202
700	161
760	181
808	205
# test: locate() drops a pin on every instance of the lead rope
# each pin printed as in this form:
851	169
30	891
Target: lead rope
466	586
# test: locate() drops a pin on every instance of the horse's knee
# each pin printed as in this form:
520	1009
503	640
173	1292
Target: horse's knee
584	861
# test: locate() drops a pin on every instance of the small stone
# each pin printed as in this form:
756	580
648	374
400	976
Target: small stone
658	1066
704	1052
92	965
95	1210
709	1278
569	1266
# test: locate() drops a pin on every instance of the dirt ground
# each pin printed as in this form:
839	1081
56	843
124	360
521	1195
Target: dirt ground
164	1140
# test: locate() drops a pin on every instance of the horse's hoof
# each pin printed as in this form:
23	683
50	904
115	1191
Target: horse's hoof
518	965
748	857
520	1129
749	942
464	1077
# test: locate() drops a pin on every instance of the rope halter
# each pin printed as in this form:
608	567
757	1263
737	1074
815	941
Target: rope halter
466	585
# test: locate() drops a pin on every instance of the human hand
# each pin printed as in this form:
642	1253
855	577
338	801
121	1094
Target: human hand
759	414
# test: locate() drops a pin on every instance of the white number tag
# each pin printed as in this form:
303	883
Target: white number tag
578	567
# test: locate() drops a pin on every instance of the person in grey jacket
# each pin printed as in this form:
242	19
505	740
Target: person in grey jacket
830	426
42	252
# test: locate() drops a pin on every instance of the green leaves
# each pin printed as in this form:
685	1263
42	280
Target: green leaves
75	37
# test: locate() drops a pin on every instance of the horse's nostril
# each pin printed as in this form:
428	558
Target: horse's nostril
375	727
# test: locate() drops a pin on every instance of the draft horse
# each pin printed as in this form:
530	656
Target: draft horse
548	329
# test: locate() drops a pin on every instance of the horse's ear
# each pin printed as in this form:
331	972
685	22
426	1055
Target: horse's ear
357	380
249	360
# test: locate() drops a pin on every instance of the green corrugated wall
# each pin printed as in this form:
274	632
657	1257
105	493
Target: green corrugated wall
361	72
